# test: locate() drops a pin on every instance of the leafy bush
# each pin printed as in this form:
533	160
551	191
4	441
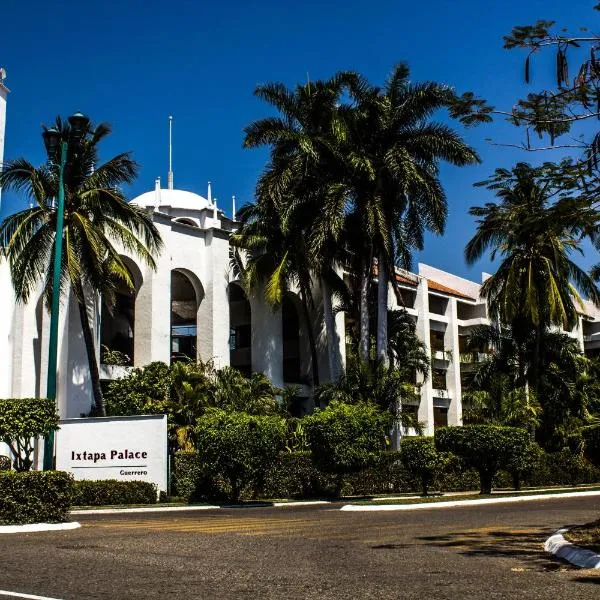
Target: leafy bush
5	463
21	421
107	492
486	448
345	438
238	447
524	463
35	497
420	457
591	436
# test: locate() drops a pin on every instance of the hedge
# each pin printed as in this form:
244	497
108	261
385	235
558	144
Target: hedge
591	435
107	492
295	476
5	463
35	497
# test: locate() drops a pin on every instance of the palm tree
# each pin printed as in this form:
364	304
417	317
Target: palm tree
276	258
536	284
303	179
392	153
97	220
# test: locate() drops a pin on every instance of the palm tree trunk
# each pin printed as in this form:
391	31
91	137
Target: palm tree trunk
88	338
365	278
382	309
311	339
331	332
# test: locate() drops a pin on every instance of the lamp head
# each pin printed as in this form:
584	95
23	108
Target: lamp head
79	124
51	141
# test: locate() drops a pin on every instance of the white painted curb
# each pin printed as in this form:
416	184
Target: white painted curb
301	503
37	527
581	557
118	511
455	503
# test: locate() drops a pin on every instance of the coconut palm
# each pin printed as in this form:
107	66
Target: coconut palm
392	155
276	260
98	222
537	283
304	178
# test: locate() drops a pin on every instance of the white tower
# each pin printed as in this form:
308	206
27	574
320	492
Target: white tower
3	94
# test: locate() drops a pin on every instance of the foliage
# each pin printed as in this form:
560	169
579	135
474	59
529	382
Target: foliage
406	351
108	492
5	463
486	448
591	435
534	283
21	421
97	220
365	382
419	456
113	357
238	447
524	463
345	438
185	390
35	497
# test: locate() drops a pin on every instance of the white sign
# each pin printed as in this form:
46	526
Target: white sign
122	448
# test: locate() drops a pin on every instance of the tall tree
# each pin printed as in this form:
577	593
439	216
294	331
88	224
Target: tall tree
393	153
98	221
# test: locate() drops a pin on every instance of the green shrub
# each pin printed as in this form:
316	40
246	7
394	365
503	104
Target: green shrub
238	447
523	463
591	436
108	492
345	438
5	463
420	457
486	448
21	421
35	497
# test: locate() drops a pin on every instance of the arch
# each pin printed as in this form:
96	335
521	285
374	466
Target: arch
186	221
186	295
240	329
118	323
295	344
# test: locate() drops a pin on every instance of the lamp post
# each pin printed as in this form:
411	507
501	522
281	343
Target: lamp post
57	147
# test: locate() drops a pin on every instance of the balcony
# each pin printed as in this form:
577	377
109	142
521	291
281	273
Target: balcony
473	357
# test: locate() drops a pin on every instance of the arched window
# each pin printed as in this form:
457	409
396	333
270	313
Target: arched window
117	332
184	318
240	333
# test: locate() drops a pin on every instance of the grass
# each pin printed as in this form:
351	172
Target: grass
455	497
586	536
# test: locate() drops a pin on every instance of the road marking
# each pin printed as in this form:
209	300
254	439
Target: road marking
30	596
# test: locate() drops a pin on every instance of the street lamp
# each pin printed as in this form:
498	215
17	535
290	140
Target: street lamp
57	148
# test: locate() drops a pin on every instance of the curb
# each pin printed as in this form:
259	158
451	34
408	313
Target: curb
581	557
37	527
165	509
457	503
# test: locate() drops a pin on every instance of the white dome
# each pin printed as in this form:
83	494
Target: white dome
173	199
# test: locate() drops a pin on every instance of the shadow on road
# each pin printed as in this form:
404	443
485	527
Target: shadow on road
526	545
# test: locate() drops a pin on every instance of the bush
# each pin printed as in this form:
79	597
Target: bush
591	436
5	463
108	492
486	448
35	497
420	457
238	447
345	438
21	421
524	463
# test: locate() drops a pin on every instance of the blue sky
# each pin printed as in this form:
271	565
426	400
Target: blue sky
133	63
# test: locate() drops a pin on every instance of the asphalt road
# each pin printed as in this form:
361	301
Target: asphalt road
319	552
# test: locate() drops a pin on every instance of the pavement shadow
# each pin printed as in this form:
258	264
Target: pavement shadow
525	544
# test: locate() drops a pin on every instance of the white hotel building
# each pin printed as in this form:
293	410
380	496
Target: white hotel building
191	305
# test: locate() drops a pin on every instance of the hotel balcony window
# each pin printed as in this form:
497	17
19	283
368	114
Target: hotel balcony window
440	416
438	379
437	305
436	340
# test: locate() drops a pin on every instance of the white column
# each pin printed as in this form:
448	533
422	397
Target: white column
3	95
267	342
453	372
422	307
